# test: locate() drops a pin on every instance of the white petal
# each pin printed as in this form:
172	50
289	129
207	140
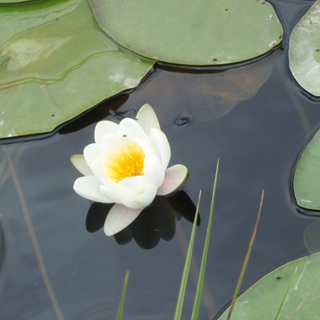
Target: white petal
111	143
136	185
80	164
91	152
154	171
161	145
142	200
134	192
147	118
103	128
131	128
118	218
89	187
175	176
116	194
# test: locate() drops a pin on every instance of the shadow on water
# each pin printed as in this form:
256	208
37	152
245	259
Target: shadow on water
156	221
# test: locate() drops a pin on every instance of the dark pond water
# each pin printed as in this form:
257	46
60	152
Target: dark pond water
254	118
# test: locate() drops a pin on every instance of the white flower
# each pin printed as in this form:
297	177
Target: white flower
127	165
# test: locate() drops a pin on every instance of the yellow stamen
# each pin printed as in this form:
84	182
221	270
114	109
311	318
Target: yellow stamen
126	162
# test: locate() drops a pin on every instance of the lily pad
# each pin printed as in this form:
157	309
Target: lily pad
306	182
304	50
191	32
263	299
56	63
13	1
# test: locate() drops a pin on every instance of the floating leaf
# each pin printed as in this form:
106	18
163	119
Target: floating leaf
13	1
263	299
191	32
306	182
55	63
304	50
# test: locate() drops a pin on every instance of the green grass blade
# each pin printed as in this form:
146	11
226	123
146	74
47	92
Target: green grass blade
285	295
197	301
124	290
310	298
186	269
244	267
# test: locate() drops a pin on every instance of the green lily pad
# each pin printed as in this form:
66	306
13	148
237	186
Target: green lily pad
191	32
304	50
306	181
56	63
13	1
263	299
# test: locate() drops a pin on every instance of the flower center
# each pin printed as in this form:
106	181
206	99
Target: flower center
126	162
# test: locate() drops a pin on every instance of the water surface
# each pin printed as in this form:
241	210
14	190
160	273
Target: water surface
257	134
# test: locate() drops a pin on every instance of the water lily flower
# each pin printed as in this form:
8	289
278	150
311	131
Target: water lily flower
128	166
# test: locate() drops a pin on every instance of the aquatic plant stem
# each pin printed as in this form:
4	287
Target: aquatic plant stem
244	267
4	174
197	301
207	298
123	295
299	307
33	236
285	295
185	274
310	298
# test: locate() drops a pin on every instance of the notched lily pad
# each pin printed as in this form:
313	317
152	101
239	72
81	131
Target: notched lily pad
263	299
55	63
304	51
306	181
191	32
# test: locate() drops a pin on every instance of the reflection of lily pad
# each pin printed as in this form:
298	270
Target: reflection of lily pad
304	50
311	237
206	96
263	299
55	63
306	183
191	32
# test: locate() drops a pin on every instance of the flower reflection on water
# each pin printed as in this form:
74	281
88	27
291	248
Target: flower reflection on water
127	166
154	222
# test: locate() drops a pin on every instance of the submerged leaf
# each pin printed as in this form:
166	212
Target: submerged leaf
191	32
263	299
306	182
206	96
55	63
311	237
304	50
